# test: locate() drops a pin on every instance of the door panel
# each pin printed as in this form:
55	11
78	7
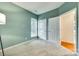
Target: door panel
53	29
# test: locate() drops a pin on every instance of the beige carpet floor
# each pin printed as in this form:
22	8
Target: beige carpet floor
36	48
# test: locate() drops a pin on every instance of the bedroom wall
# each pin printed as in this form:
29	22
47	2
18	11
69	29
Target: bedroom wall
58	11
18	24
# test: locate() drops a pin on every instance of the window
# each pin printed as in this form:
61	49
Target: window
2	19
42	29
33	27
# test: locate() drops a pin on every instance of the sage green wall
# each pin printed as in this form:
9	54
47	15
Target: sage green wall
67	6
50	14
18	24
58	11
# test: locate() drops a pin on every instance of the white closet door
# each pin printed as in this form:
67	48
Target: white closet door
42	29
53	29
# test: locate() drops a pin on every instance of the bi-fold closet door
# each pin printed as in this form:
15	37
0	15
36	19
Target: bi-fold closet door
48	29
54	29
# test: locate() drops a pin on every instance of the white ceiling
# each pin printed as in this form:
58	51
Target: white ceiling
39	7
